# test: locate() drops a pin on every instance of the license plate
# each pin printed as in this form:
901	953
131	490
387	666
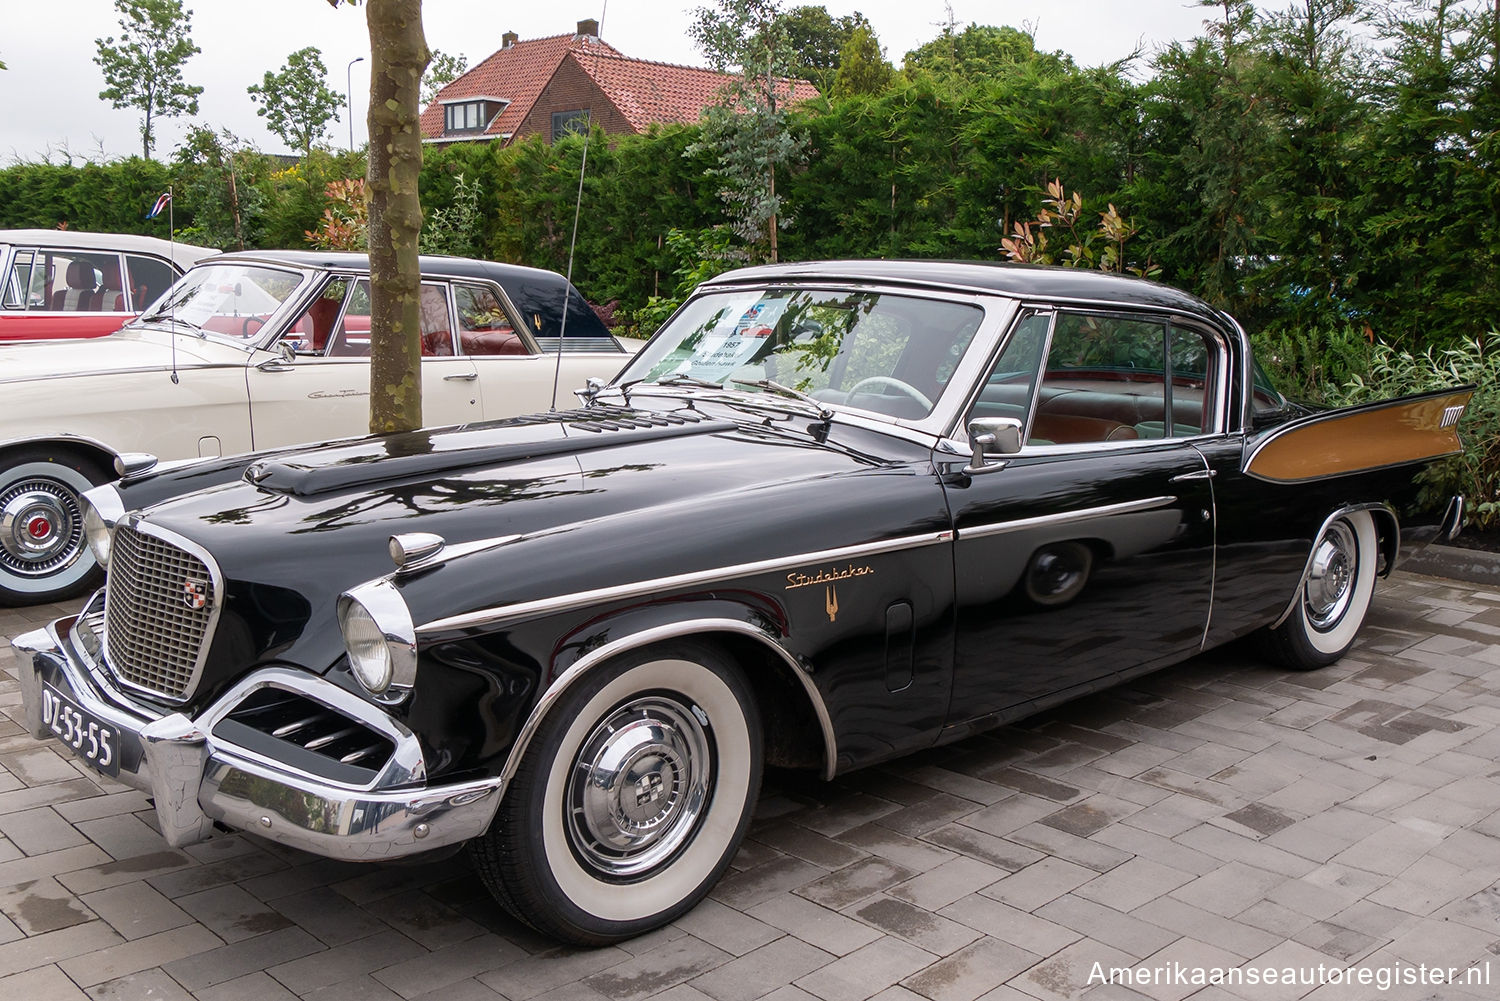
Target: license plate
98	744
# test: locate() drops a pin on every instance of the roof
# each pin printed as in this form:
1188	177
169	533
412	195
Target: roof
431	264
184	254
1019	280
650	93
517	73
646	92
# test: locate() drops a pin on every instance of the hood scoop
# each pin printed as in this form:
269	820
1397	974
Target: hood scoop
429	454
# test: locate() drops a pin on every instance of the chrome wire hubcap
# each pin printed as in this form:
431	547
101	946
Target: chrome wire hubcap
1330	583
41	527
639	786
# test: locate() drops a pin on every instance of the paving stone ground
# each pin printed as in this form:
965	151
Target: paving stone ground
1219	815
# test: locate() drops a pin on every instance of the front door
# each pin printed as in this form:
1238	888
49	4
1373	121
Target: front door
324	393
1088	554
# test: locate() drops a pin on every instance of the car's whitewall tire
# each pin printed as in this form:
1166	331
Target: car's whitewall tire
631	799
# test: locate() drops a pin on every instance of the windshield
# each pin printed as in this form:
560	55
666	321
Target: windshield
231	300
891	354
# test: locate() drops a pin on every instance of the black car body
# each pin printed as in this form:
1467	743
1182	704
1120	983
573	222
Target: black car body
832	513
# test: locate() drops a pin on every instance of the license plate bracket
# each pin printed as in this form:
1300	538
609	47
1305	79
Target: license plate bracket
93	741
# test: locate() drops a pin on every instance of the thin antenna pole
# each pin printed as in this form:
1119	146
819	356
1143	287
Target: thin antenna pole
172	303
572	245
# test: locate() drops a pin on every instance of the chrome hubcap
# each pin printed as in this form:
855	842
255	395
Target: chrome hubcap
1330	583
639	786
41	527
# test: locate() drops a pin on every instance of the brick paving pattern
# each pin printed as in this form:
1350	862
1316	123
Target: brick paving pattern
1220	814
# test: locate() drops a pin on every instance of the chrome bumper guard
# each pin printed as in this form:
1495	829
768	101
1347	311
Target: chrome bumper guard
197	779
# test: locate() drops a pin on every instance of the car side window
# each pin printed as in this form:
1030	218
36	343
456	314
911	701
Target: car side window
20	290
1011	384
437	327
484	326
1120	378
148	278
352	336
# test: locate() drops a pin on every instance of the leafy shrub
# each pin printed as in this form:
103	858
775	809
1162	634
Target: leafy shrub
1474	361
1314	364
700	256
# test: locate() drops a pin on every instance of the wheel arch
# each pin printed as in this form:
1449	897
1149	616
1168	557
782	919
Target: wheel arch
770	669
1387	535
90	448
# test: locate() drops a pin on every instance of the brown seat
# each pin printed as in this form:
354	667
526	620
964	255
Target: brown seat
78	297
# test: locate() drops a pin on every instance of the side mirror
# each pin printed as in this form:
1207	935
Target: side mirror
990	436
288	351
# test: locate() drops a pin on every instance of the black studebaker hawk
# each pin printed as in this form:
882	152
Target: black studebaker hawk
830	514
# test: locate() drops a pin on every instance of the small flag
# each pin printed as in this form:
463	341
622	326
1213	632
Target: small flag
160	206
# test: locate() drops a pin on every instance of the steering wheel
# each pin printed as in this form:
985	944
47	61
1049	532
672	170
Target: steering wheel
905	389
259	321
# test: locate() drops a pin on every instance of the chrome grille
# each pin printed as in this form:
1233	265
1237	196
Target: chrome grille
154	638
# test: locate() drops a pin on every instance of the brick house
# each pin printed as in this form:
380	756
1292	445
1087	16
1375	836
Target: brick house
550	86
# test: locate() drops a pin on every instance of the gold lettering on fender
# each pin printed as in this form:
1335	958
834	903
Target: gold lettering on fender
797	579
831	602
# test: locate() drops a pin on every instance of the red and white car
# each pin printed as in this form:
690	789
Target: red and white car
58	283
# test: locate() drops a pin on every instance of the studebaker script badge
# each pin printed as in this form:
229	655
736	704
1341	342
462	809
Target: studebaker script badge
796	580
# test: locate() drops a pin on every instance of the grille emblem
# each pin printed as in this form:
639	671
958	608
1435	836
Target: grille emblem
195	593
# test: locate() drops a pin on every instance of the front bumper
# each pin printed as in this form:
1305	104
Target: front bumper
197	779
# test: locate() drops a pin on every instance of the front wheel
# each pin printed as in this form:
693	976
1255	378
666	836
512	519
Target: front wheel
43	553
631	799
1334	598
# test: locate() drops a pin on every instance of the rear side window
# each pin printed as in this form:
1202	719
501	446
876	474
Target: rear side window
149	278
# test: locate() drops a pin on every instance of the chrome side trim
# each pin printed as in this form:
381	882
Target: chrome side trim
1065	518
578	599
446	553
646	637
1390	563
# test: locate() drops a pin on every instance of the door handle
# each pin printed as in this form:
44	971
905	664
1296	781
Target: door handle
466	377
1201	474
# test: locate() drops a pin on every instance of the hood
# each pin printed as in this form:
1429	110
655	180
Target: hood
586	491
131	349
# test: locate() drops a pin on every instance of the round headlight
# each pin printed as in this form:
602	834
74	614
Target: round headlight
96	532
369	654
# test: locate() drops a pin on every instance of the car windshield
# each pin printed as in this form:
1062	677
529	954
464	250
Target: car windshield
229	300
891	354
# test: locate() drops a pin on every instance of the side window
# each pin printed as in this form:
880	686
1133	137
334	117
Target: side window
148	279
437	328
352	338
314	328
1115	378
1008	390
79	282
484	327
18	283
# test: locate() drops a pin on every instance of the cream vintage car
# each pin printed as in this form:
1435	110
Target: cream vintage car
256	351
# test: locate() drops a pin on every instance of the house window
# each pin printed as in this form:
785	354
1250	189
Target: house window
468	116
569	122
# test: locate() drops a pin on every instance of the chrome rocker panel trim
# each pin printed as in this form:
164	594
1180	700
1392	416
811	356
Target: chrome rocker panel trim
197	779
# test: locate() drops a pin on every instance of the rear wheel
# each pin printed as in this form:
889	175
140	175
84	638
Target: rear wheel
1334	598
43	553
631	799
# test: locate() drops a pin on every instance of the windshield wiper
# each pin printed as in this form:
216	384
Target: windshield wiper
681	379
795	394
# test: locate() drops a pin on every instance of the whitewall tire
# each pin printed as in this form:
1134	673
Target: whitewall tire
1335	597
43	553
631	799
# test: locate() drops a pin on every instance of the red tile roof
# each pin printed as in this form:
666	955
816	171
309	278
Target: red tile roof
517	73
645	92
657	93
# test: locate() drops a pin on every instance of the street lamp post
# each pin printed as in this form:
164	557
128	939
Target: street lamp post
349	95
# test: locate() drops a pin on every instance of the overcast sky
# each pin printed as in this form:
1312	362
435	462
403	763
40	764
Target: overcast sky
52	107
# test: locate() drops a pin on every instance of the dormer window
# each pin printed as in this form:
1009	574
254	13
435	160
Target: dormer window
472	114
